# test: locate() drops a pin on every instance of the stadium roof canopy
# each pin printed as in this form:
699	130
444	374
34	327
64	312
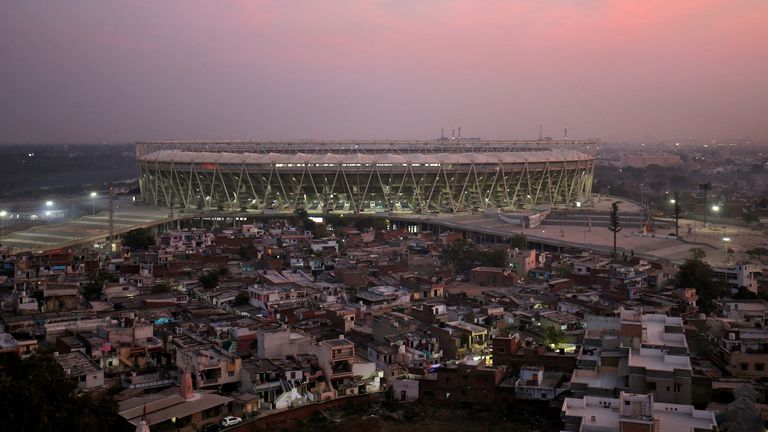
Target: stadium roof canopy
555	155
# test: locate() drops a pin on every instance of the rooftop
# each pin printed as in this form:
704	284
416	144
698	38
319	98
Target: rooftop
76	363
656	359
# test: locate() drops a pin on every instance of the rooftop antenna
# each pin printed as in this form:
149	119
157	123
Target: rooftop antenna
566	134
540	136
453	133
459	132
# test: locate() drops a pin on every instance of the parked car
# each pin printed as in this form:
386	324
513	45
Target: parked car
231	421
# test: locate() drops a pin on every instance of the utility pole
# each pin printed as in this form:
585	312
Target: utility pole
706	187
615	225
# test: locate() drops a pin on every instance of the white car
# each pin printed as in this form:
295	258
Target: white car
231	421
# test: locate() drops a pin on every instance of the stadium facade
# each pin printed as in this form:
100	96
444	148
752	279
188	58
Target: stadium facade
444	175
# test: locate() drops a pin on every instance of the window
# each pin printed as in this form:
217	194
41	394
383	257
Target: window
651	385
501	350
745	366
231	373
760	367
447	380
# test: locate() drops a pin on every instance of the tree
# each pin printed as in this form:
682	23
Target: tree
93	289
695	273
246	252
161	288
37	396
308	224
300	214
378	224
698	254
463	255
209	280
460	255
241	299
615	225
751	218
519	241
554	337
138	239
492	258
676	210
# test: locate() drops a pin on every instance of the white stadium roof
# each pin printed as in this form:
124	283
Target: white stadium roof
178	156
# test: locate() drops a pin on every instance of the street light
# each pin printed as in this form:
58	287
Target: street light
3	214
672	201
726	240
715	208
49	203
93	203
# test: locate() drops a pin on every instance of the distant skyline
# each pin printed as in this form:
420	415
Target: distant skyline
114	71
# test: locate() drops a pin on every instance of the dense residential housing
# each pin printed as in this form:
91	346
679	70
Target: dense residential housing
263	318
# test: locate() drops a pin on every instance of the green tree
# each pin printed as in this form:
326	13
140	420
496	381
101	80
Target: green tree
93	289
698	254
554	337
209	280
519	241
241	299
460	255
750	218
138	239
300	214
309	225
246	252
378	224
615	225
492	258
37	396
695	273
161	288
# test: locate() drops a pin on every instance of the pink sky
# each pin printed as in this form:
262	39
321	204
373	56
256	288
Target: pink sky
107	70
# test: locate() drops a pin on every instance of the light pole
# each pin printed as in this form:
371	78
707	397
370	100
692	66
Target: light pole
726	240
3	214
93	203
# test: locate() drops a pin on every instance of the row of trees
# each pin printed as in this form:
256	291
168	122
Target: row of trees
37	396
463	255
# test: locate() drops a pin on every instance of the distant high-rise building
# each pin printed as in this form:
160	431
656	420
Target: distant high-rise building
644	160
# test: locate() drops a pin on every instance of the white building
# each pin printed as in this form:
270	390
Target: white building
633	412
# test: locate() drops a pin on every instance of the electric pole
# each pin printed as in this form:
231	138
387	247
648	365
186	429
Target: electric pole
706	187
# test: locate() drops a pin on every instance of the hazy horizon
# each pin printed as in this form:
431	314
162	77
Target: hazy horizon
108	71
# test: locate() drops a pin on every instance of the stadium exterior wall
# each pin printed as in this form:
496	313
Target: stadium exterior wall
364	177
